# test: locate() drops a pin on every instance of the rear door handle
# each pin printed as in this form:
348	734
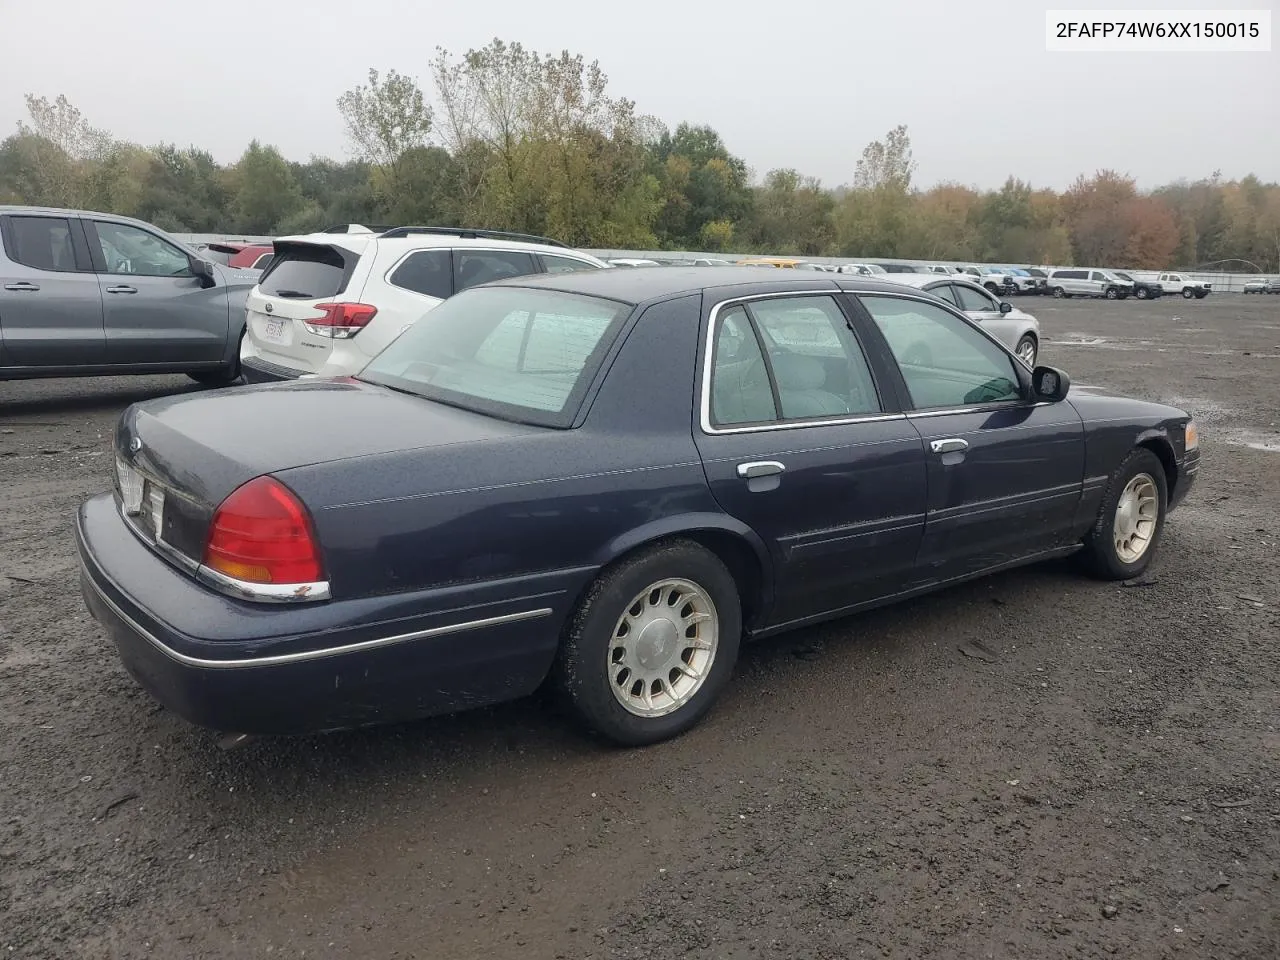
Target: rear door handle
950	445
22	285
122	288
760	468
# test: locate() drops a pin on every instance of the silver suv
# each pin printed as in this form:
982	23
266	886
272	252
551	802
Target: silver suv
90	293
1088	283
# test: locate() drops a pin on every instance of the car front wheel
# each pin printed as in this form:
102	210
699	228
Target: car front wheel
1059	292
652	644
1142	293
1188	293
1125	536
1026	350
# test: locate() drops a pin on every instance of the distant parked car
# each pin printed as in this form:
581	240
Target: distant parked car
1088	283
1042	279
84	294
633	262
1018	331
1273	285
862	269
331	301
1181	283
1257	285
1023	281
526	488
256	256
899	268
1142	289
943	269
995	281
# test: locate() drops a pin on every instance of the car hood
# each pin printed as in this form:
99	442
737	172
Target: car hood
204	445
1098	403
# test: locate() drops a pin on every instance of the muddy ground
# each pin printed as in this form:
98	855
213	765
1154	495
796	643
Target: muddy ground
1109	785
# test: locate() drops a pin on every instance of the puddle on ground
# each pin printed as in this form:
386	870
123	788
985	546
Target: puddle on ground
1267	442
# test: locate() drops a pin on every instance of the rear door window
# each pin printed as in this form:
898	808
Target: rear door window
971	299
429	272
556	264
305	272
472	267
43	243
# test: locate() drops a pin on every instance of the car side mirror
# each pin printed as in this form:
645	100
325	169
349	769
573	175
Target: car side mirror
202	270
1005	306
1050	384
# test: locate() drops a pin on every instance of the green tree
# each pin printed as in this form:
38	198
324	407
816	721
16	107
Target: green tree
791	215
265	192
386	119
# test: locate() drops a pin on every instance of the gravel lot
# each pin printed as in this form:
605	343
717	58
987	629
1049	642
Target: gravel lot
1108	785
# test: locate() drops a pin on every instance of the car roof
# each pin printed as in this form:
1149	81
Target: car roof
359	242
641	286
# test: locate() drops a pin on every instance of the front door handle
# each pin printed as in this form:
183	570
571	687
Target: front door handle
950	445
760	468
23	286
122	288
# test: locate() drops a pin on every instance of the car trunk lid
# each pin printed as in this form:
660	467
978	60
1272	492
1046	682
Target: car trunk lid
178	458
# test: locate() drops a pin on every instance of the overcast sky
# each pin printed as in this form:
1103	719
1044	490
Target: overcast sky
786	83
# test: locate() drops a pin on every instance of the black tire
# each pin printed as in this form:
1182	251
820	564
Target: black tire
1188	293
1059	293
991	288
1023	341
581	671
1201	294
1100	555
224	377
1141	293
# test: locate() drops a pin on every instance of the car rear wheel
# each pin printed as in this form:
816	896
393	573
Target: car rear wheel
991	288
1125	537
1059	292
652	644
1188	293
1112	293
1141	293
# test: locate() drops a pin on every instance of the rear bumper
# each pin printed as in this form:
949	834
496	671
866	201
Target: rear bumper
257	370
234	666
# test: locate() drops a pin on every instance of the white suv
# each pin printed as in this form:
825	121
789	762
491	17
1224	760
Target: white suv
333	301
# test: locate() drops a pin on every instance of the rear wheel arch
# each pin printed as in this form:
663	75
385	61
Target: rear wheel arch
739	549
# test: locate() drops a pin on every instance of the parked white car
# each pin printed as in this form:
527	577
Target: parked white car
862	269
995	281
1016	329
1085	282
1181	283
332	301
632	262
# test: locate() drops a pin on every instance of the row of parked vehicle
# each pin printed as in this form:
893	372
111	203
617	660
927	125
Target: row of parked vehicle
1262	285
89	293
1001	280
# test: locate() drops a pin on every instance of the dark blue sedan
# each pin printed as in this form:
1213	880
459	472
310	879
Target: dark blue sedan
605	480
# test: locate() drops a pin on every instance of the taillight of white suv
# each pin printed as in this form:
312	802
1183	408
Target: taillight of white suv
340	321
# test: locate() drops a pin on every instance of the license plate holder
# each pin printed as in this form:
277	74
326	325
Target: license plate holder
273	330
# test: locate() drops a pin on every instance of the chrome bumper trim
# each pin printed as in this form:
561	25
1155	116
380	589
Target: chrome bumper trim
305	655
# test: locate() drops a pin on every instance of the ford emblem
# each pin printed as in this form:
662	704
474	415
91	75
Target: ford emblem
268	308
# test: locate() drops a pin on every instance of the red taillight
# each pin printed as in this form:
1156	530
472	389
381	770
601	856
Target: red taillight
341	320
262	534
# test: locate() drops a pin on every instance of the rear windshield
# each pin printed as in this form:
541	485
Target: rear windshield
512	352
305	272
1123	276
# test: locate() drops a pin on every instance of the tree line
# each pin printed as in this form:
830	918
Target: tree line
511	139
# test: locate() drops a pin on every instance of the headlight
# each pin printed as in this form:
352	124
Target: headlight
1191	436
